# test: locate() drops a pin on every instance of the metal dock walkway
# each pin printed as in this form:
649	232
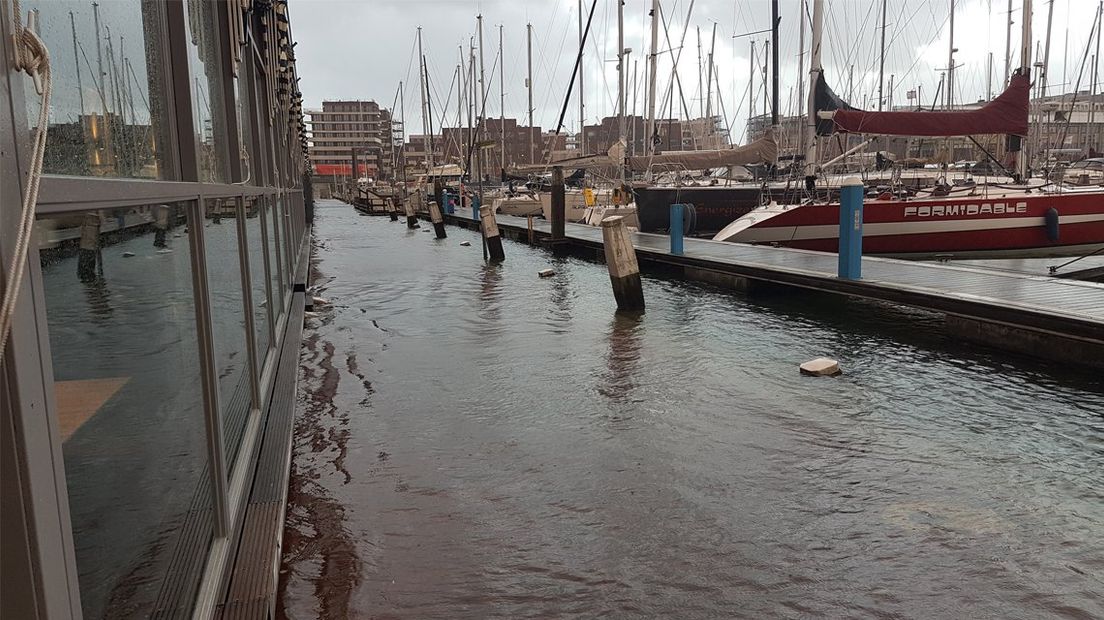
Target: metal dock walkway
1040	315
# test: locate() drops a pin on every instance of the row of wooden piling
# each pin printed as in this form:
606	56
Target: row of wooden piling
624	269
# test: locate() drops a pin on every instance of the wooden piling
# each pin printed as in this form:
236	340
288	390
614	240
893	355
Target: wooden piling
437	219
558	204
623	267
491	234
411	216
391	211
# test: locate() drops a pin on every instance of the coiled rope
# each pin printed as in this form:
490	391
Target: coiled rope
31	56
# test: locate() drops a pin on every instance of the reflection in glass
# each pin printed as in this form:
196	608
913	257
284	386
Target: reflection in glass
257	275
107	107
275	258
122	333
208	112
228	325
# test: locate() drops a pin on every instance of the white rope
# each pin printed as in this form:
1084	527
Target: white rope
31	56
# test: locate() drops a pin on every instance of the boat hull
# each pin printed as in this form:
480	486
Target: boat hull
961	227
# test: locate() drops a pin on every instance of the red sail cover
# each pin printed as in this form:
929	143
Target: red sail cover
1007	114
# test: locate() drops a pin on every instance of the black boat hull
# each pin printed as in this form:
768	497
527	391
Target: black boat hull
715	207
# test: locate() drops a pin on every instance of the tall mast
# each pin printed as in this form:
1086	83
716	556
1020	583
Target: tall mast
529	88
422	91
472	131
621	83
429	113
989	79
1095	68
635	99
1025	68
801	70
76	63
99	56
814	75
950	62
481	102
621	69
402	124
751	87
1046	52
582	80
460	89
501	100
701	87
881	58
1008	46
774	64
650	146
709	76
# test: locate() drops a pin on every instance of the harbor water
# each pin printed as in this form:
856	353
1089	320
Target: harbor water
473	441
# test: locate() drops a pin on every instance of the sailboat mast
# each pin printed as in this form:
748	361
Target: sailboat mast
529	88
650	146
501	101
621	83
815	69
801	69
1025	68
582	80
1008	46
429	113
1046	51
1095	69
422	93
701	87
950	62
709	75
99	55
774	64
881	59
481	102
76	62
402	149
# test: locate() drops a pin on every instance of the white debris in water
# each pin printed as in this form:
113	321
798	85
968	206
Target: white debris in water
546	273
128	254
164	251
320	301
821	367
465	243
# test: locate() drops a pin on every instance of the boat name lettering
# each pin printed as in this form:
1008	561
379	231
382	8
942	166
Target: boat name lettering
985	208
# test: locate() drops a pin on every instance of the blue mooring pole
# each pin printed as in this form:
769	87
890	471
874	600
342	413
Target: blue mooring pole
850	232
475	207
677	232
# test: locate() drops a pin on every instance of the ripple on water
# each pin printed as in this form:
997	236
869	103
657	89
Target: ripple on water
546	457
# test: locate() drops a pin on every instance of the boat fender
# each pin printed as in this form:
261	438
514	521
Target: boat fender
689	219
1051	219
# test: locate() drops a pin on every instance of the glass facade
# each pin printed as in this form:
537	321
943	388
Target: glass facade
108	105
139	373
119	309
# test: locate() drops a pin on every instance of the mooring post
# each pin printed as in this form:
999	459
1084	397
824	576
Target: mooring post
391	209
558	204
850	232
435	217
411	216
530	224
677	232
475	207
491	235
621	260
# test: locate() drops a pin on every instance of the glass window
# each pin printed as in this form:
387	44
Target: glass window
117	284
220	236
108	106
262	318
208	111
275	258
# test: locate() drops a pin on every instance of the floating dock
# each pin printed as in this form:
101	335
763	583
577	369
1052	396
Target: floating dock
1044	316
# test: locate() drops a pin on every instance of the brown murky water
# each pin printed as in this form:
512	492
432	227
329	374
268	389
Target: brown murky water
476	442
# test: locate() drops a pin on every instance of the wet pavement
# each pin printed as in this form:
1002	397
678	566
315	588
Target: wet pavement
474	441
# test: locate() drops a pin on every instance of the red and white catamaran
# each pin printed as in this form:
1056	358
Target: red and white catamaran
967	222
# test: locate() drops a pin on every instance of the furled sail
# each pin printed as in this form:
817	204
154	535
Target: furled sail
763	150
1007	114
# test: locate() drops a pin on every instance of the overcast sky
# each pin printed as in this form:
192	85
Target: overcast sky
353	49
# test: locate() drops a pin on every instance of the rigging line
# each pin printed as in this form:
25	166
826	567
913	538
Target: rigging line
1080	74
574	72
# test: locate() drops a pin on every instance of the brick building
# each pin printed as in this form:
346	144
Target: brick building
341	126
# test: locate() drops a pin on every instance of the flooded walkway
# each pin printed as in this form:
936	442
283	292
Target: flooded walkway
476	442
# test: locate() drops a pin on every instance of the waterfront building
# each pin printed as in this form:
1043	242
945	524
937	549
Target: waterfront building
145	419
342	127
